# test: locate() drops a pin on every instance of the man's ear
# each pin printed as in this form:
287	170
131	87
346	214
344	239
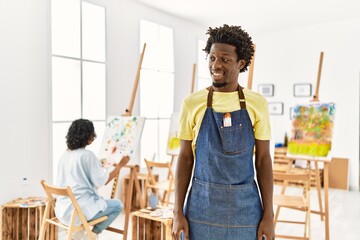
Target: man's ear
241	64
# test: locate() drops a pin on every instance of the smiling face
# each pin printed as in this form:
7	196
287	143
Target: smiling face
224	67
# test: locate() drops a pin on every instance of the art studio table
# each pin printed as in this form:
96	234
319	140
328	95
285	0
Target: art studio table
21	219
152	226
323	212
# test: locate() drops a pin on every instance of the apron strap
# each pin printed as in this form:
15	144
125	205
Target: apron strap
210	95
241	97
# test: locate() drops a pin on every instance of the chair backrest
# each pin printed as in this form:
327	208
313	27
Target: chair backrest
53	191
150	165
168	184
292	176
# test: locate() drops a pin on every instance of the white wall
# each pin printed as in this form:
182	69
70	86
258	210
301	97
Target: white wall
292	56
24	95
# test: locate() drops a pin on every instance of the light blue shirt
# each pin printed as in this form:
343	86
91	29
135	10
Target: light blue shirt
81	170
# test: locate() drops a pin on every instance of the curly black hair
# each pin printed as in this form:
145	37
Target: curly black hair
235	36
79	134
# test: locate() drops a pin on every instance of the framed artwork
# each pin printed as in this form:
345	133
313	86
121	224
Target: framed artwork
267	90
276	108
302	90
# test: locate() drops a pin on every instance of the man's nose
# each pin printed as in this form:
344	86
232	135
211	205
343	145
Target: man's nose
216	63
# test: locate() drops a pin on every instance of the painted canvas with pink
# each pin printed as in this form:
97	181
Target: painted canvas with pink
122	137
312	129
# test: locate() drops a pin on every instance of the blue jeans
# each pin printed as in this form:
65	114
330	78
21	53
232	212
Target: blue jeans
114	207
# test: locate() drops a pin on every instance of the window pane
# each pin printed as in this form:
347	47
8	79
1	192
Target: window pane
149	146
203	69
149	35
156	94
164	127
59	144
94	81
66	93
165	94
93	32
166	49
65	27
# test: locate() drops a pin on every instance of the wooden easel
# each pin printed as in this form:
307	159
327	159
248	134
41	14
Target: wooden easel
133	179
316	95
323	210
193	78
251	70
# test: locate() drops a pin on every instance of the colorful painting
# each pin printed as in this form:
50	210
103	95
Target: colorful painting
173	144
312	128
122	137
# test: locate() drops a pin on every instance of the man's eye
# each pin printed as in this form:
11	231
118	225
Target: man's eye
212	58
225	60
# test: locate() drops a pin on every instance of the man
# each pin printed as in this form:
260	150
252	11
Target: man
221	127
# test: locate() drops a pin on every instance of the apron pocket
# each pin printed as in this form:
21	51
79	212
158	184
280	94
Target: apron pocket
207	204
232	139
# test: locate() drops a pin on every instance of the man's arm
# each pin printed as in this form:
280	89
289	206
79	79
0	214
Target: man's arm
264	175
183	173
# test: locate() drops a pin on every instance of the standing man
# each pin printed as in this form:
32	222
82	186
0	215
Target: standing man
221	128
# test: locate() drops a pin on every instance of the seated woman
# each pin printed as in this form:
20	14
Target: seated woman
82	171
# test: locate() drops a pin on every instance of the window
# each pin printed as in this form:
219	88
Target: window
203	70
156	88
78	70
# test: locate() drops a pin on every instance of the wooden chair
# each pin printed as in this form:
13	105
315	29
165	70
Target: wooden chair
163	185
294	200
51	191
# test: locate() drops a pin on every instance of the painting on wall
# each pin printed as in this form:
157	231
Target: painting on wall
276	108
173	143
302	90
312	129
122	137
267	90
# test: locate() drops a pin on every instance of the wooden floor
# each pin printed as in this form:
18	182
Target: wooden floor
344	218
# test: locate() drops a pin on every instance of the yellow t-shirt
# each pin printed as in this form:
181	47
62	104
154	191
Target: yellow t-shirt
194	106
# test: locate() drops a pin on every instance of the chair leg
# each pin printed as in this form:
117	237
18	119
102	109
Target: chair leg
44	223
43	229
69	235
309	223
277	215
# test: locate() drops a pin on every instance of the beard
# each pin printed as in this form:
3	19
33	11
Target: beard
219	85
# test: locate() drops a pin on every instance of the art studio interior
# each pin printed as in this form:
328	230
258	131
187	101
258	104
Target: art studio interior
132	62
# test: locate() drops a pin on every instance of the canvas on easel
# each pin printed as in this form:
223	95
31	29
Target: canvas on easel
122	137
312	129
173	143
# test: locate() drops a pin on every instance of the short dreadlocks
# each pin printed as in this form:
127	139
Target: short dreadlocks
235	36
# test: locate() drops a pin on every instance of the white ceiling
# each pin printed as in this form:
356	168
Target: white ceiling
259	15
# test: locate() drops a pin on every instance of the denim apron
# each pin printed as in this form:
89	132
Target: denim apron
224	201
